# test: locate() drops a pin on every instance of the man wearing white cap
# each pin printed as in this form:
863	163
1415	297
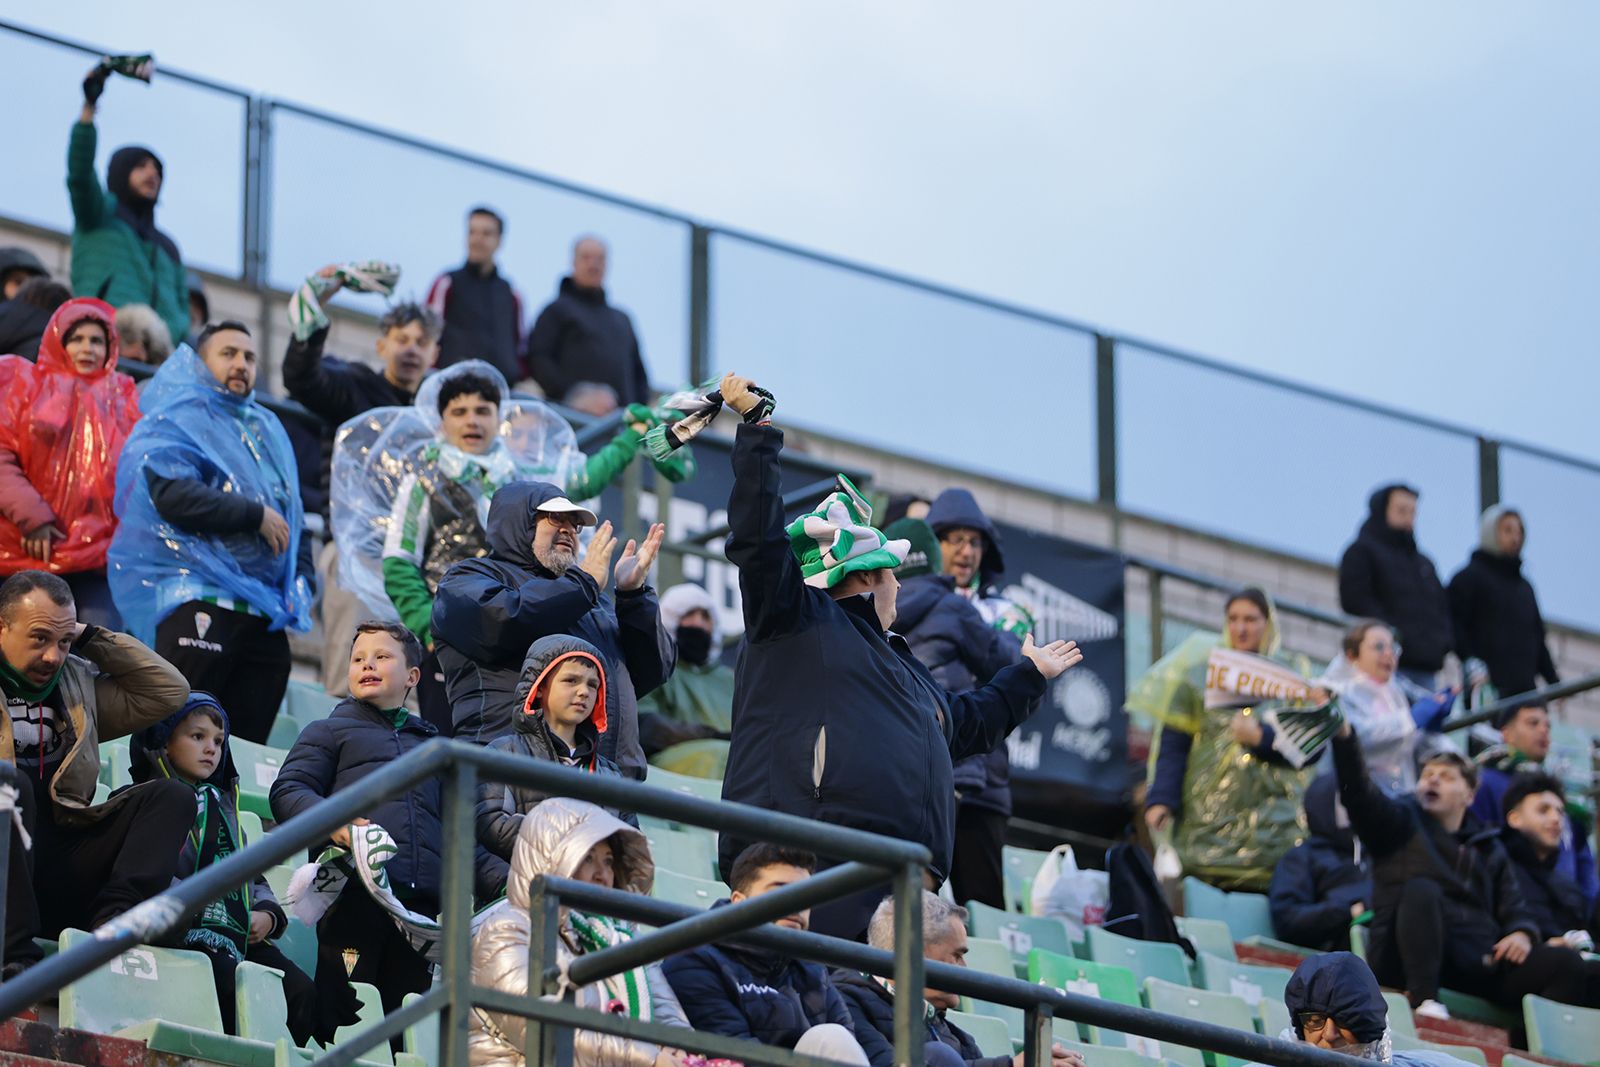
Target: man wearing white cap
533	584
834	718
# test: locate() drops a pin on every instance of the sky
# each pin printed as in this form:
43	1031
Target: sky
1391	200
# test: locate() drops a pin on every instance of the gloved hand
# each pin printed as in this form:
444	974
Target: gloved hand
641	418
95	83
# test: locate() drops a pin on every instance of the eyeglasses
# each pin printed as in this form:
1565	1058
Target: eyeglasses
1313	1020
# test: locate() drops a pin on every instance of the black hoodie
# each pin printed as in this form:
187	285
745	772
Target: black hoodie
1553	899
578	337
1497	620
1383	575
1317	881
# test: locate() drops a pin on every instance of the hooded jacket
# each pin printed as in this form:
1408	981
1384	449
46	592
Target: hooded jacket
835	719
553	840
1554	900
118	254
22	326
696	703
1384	575
1496	615
351	743
482	316
501	806
1482	901
61	435
489	610
871	1008
1574	860
754	993
1317	881
578	337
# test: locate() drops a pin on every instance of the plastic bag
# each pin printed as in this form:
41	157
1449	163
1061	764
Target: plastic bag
1067	892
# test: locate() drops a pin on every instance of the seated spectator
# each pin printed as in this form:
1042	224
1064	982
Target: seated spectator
118	254
63	423
68	686
871	999
481	312
367	731
579	338
190	746
1448	909
490	609
1383	707
1336	1004
24	317
1524	746
17	266
1384	575
759	994
572	839
1499	631
1536	820
694	707
210	558
561	716
1319	887
1213	765
144	336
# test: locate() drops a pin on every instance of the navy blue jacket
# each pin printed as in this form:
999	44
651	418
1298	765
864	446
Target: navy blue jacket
872	1008
1496	618
768	997
1497	771
1555	901
834	719
489	610
1317	881
1384	575
337	752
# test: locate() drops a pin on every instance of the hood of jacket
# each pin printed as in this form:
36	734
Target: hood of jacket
137	211
1341	985
147	754
1488	530
958	507
53	356
14	257
687	597
1377	524
544	656
1325	816
513	513
558	834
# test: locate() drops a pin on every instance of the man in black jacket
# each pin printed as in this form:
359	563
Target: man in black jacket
1384	575
580	338
1495	612
1535	813
833	717
481	312
759	994
1448	907
1318	888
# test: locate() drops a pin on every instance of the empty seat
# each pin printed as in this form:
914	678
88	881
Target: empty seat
990	1033
1019	933
299	944
1019	866
1086	978
1208	935
1101	1056
422	1040
686	889
114	769
1561	1031
990	957
691	852
1471	1053
1011	1018
705	788
1220	1009
1248	915
1401	1020
1250	982
258	768
1146	959
1273	1017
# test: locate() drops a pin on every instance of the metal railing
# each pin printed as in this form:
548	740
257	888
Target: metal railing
867	860
1549	693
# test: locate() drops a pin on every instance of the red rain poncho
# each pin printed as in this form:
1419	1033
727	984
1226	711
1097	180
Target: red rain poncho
61	433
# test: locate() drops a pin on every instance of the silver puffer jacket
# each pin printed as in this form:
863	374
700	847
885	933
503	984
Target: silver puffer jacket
554	839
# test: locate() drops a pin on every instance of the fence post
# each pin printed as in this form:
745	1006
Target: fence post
699	304
1038	1034
257	189
1105	418
545	1044
1158	624
455	918
1488	473
908	980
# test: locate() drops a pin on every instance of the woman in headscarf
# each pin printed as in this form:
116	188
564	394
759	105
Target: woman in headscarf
572	839
63	422
1233	802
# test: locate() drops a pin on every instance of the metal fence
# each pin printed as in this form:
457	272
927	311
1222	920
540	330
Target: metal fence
254	192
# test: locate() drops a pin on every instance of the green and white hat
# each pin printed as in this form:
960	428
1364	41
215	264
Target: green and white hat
838	538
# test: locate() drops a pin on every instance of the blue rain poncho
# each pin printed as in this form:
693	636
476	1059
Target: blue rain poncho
194	429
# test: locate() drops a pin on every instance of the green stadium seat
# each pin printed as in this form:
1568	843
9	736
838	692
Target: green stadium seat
422	1040
691	852
688	890
299	944
990	1033
1248	915
1273	1017
1019	933
251	827
1220	1009
1250	982
1408	1043
1511	1059
1101	1056
1012	1018
1146	959
258	769
1087	978
1477	1009
114	769
1020	865
650	823
705	788
1401	1020
278	878
990	957
263	1016
1359	936
102	793
303	703
1561	1031
1208	935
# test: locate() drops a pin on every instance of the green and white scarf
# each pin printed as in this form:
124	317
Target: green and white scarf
627	993
224	924
368	276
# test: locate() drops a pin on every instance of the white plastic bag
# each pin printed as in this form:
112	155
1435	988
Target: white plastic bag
1062	890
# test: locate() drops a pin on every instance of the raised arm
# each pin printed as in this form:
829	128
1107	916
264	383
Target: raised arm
1383	823
775	599
84	190
135	687
325	391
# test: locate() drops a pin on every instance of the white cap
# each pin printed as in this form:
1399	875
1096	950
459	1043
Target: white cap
560	504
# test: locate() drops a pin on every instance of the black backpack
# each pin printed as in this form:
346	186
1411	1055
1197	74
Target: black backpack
1137	908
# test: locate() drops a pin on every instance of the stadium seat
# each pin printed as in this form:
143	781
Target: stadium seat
1208	935
1401	1020
102	793
1248	915
1087	978
1011	1017
1359	936
1220	1009
691	852
422	1040
1561	1031
1511	1059
705	788
686	889
990	1033
1407	1043
1020	865
114	769
251	827
1250	982
1102	1056
1019	933
263	1016
278	878
1146	959
1477	1009
1273	1016
299	944
990	957
258	769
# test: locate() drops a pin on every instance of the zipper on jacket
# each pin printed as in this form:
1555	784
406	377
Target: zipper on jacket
411	816
819	761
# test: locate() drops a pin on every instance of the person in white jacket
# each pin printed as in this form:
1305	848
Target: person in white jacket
573	839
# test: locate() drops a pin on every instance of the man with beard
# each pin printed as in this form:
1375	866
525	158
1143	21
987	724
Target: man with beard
488	610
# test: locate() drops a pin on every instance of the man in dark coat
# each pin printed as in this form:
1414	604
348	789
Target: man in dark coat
833	717
488	610
758	994
1384	575
1495	612
1448	907
579	338
1535	812
1318	887
481	312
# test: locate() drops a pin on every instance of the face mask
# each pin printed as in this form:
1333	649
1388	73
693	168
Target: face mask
694	644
